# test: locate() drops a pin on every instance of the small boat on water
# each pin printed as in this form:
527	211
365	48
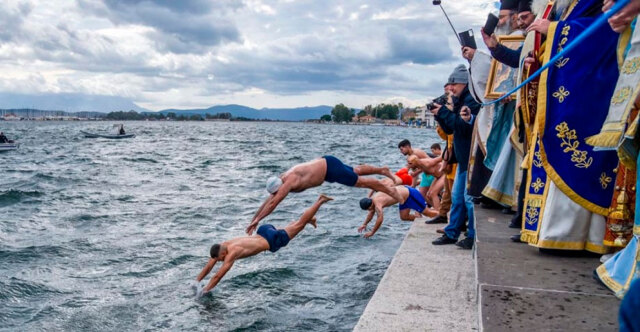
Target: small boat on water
94	135
8	146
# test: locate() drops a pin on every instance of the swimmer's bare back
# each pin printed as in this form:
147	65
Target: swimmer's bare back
306	175
246	246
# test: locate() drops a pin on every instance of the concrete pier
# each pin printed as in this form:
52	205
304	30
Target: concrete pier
523	289
425	288
508	286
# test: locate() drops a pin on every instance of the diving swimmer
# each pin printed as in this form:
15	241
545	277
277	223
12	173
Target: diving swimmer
268	238
411	200
315	172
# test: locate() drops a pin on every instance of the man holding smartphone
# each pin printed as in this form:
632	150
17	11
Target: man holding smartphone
459	122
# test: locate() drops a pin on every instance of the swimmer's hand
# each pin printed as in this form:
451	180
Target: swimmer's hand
362	228
251	228
368	235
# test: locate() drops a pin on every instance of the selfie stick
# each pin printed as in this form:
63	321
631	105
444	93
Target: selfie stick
439	3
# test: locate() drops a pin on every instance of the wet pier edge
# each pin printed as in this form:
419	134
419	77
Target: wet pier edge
499	286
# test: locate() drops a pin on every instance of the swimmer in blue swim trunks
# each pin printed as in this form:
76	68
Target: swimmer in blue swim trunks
314	173
412	200
268	238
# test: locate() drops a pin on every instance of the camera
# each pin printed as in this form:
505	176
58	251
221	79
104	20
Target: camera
436	2
442	100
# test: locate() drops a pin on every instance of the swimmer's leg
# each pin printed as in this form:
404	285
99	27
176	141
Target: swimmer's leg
371	183
429	212
307	218
435	190
369	170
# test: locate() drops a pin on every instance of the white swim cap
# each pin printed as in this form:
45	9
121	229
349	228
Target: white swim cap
273	184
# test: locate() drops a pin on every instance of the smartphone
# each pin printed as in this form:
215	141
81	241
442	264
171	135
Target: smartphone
467	39
491	24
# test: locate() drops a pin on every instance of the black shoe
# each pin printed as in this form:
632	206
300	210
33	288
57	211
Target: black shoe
508	211
437	220
516	221
476	200
443	240
489	206
467	243
516	238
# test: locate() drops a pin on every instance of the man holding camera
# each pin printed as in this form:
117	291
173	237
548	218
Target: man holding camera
459	122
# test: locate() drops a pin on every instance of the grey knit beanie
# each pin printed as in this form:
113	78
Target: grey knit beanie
459	75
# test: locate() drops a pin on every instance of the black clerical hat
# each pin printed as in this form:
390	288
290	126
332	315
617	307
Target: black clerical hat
509	4
524	6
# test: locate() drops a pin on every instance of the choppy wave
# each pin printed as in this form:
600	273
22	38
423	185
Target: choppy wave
14	289
105	235
14	196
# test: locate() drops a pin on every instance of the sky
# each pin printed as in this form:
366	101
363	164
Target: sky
197	53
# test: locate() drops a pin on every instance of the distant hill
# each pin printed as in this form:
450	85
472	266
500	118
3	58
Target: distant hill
77	102
69	102
284	114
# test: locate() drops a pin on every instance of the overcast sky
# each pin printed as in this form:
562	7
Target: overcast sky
198	53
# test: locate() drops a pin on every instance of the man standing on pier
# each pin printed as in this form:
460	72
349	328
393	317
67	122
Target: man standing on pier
314	173
411	200
407	150
459	122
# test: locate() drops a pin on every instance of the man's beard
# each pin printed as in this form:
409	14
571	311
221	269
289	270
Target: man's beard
538	6
562	5
504	30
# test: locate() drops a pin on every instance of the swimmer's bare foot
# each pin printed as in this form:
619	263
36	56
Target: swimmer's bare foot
313	222
386	172
324	198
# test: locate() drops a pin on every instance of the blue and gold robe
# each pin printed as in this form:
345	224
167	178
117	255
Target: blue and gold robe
573	100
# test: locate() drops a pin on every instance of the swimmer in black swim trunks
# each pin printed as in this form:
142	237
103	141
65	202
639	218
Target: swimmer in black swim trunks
314	173
268	238
412	200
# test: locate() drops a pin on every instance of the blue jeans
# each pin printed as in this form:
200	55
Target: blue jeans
461	206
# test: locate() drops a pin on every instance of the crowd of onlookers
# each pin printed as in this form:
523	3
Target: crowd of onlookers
547	152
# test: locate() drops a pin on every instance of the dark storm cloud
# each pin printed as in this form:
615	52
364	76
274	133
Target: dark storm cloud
409	45
182	26
348	60
12	19
218	47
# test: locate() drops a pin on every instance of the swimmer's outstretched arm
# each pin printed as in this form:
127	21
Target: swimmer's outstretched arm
228	263
366	221
268	206
379	221
207	268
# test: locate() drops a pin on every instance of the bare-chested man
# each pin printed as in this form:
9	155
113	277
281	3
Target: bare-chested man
312	174
407	150
411	200
431	166
268	238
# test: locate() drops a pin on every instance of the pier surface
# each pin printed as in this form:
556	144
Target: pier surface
523	289
508	286
425	288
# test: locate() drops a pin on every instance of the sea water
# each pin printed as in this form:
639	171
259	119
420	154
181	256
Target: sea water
99	234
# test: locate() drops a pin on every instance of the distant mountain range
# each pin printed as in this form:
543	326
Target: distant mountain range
68	102
74	102
284	114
